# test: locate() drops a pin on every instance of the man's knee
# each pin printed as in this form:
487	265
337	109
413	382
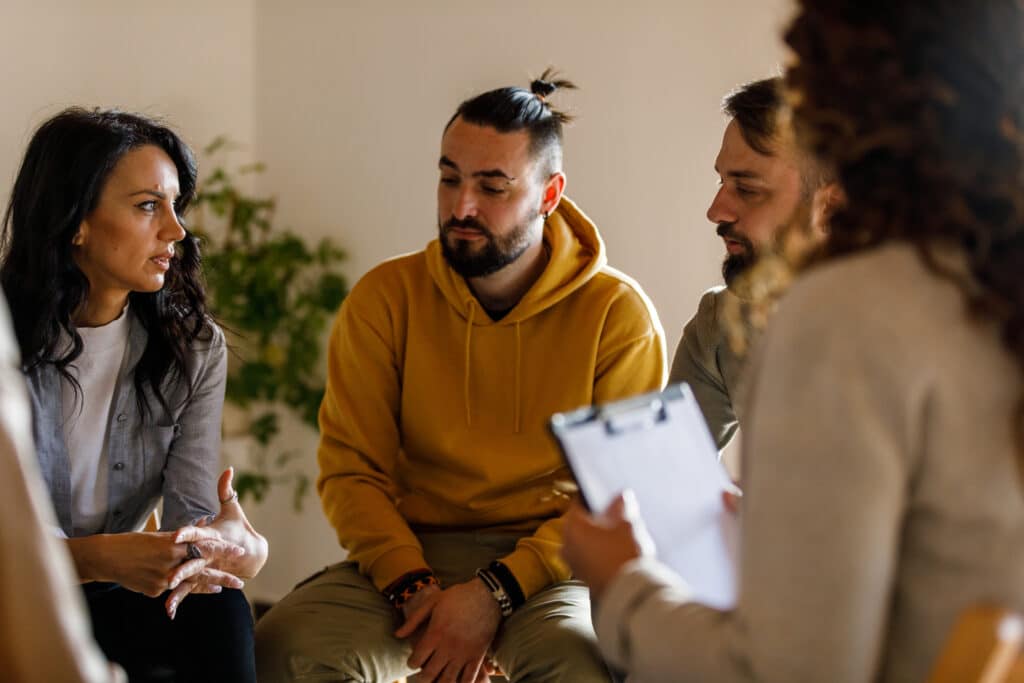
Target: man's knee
554	649
280	640
295	645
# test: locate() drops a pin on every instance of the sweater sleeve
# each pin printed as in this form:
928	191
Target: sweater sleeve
696	363
45	633
193	460
821	517
360	440
631	360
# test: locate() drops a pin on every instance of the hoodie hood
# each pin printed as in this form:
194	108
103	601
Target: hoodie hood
576	254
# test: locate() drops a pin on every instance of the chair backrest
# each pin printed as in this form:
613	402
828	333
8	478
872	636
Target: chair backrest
153	523
984	647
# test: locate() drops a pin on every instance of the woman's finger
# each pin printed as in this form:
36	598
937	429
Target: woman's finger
191	534
205	582
186	571
176	596
220	578
219	549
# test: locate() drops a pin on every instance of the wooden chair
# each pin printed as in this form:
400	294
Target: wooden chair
153	523
984	647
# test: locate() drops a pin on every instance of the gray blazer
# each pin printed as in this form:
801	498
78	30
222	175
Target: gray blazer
174	455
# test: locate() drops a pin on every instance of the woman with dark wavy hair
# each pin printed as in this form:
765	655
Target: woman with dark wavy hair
885	447
126	373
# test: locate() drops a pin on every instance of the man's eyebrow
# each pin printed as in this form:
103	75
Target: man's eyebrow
489	173
741	174
494	173
744	174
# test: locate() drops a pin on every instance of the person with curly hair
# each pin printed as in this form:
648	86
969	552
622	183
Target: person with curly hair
886	495
126	374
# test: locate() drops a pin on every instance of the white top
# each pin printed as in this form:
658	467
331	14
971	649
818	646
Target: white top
86	418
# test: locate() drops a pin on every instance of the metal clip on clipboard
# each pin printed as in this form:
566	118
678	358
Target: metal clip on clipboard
620	417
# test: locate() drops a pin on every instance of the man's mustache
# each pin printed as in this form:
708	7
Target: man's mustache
728	231
467	223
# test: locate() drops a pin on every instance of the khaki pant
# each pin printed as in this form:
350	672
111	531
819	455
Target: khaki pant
336	626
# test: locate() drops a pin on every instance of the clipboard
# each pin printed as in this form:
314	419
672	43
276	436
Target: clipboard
659	446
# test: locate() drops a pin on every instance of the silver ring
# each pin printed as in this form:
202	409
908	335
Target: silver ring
192	552
233	496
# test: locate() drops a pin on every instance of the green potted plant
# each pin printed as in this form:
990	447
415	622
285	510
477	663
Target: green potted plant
274	294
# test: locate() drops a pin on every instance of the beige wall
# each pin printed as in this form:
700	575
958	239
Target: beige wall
345	101
190	61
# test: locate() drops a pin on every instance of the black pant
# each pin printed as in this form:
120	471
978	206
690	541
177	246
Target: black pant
210	639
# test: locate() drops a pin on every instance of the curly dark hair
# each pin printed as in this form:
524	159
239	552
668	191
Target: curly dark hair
919	109
60	182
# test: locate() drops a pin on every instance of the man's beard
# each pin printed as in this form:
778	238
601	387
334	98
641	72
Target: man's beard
736	264
468	260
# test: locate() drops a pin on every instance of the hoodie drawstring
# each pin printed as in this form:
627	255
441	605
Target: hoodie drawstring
517	409
519	355
469	337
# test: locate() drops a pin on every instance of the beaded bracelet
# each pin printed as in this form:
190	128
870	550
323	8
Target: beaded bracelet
402	589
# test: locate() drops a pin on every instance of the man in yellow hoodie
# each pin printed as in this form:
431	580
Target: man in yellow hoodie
436	469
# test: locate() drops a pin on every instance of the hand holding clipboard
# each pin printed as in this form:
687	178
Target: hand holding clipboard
658	446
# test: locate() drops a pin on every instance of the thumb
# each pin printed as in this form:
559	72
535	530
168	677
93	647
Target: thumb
227	495
414	620
623	508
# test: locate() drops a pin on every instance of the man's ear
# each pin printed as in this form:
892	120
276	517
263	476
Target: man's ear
552	193
827	199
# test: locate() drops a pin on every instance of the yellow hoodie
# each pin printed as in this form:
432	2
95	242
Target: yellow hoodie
435	415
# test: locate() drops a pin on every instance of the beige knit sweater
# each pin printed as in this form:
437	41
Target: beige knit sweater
44	626
882	494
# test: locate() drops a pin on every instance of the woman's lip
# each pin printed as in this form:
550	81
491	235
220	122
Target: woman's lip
163	262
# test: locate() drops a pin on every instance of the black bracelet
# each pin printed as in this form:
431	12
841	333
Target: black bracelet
404	587
508	581
496	591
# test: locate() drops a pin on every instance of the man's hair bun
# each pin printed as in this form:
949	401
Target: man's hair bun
549	83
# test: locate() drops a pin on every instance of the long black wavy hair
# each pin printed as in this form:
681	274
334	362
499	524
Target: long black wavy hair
919	107
66	166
